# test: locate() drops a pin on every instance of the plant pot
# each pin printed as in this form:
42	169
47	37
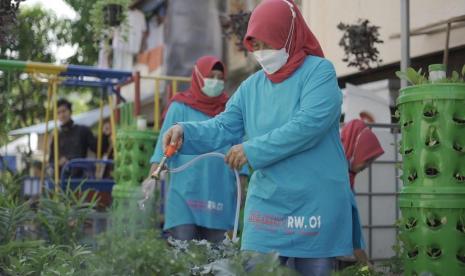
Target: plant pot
112	15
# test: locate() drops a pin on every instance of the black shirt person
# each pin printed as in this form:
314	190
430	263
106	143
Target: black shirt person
73	140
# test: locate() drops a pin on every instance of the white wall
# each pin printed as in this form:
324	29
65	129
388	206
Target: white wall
324	16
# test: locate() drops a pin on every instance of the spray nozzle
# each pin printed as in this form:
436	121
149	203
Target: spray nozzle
169	152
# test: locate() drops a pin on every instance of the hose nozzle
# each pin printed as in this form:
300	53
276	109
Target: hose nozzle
169	152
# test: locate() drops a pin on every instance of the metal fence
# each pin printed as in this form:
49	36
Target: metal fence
377	190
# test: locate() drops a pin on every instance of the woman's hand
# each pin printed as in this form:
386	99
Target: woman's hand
173	136
236	157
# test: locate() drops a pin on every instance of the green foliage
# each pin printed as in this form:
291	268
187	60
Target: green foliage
11	183
143	254
12	215
418	78
62	215
358	270
36	258
82	33
147	254
413	76
61	221
22	100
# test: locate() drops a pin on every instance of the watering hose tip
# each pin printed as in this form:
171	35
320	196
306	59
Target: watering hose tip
169	152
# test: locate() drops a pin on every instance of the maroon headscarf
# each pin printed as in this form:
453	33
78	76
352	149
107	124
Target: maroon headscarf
271	22
194	97
360	145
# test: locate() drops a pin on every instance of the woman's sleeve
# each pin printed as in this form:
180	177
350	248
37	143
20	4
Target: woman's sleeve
320	105
213	134
175	114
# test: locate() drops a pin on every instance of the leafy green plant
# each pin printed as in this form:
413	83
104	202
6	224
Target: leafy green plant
358	270
12	215
36	258
418	78
142	254
412	76
11	183
61	216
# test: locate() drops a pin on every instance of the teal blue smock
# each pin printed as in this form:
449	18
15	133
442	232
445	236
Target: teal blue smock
299	199
204	194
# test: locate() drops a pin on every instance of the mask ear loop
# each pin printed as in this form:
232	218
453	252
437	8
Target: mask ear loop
199	75
291	31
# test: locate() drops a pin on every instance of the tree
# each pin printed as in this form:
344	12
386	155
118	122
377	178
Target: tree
82	34
22	99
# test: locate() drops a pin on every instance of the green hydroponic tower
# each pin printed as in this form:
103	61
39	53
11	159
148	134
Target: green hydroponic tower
134	149
432	201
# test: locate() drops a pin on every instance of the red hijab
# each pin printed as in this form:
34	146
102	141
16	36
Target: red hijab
194	97
271	22
360	145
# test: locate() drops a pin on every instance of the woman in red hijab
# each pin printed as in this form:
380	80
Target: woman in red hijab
299	203
361	147
200	201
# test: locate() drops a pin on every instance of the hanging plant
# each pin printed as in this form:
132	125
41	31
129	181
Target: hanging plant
234	25
106	14
8	11
359	44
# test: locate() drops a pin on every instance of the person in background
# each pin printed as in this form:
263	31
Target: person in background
73	140
362	148
201	201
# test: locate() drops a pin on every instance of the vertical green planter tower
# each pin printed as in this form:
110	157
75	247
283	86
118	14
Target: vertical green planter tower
432	201
134	149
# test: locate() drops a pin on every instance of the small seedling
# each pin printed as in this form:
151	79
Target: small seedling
413	176
411	223
460	177
433	252
433	221
419	78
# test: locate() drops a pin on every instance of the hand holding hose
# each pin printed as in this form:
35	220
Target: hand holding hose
236	157
173	136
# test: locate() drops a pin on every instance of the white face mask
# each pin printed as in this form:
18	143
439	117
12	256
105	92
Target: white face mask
271	60
212	87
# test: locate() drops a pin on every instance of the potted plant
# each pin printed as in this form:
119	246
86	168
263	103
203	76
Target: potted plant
106	14
359	44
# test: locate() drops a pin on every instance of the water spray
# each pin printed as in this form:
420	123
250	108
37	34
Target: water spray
169	152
